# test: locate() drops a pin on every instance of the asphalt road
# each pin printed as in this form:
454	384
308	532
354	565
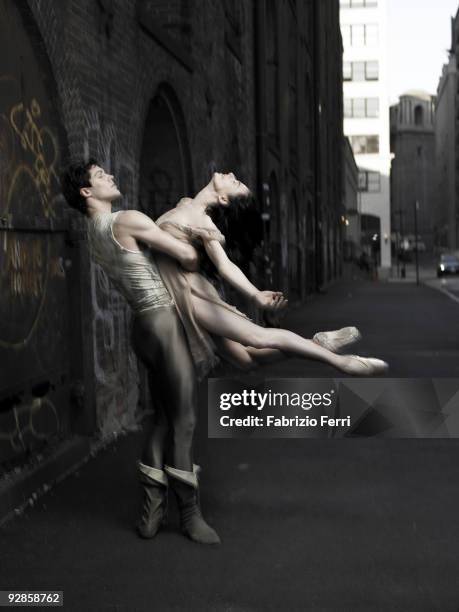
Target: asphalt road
414	328
338	525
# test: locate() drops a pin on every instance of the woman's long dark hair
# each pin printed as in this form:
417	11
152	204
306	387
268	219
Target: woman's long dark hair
241	224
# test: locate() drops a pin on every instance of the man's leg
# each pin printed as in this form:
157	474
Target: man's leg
178	389
159	341
156	439
148	348
174	384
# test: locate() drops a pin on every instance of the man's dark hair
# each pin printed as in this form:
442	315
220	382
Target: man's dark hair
73	178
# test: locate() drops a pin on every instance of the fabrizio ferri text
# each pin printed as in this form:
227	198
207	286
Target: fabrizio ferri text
283	421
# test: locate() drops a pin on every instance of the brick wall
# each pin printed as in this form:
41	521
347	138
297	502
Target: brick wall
110	58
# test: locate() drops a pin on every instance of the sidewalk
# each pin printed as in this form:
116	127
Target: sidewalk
305	524
424	272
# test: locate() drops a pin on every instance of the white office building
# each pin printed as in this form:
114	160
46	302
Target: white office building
366	115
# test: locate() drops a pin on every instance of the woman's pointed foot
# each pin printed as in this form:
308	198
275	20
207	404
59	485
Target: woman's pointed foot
363	366
336	340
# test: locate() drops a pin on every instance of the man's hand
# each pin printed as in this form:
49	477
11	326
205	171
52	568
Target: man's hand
190	260
270	300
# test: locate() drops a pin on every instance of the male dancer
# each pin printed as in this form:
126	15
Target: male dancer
120	242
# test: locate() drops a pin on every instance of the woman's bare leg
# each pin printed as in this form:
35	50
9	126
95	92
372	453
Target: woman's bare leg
222	322
246	357
267	355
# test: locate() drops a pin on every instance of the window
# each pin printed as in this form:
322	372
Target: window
418	115
360	35
362	145
346	34
360	71
358	3
348	107
358	107
371	71
371	35
361	107
369	181
347	71
372	107
374	181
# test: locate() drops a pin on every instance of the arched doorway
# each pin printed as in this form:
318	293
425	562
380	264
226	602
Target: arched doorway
275	231
310	249
293	248
165	163
272	71
165	170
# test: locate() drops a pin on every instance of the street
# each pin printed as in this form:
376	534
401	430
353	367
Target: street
449	286
305	524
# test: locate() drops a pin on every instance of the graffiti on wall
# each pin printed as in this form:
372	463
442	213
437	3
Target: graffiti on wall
27	423
115	364
38	140
28	188
34	305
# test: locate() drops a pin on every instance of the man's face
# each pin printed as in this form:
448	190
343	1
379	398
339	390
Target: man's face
103	186
227	186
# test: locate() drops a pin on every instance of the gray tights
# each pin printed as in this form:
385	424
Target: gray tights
159	341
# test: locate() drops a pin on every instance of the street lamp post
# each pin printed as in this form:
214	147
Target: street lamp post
416	208
400	212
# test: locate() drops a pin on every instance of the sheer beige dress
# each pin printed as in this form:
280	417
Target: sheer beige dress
182	285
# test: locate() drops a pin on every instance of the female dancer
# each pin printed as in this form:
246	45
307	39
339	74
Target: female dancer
210	323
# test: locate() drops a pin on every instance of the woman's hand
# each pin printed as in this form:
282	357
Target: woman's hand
270	300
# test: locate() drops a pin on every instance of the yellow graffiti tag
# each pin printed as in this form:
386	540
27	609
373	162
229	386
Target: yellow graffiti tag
33	138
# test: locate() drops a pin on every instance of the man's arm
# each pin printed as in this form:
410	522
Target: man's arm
139	226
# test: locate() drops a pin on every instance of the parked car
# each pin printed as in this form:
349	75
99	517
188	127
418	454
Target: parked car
448	264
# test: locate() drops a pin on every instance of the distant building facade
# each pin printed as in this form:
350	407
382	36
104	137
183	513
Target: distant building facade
352	220
366	116
413	187
447	149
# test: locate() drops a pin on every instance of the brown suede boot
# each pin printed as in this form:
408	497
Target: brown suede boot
154	510
185	486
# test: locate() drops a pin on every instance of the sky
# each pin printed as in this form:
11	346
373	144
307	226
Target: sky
419	33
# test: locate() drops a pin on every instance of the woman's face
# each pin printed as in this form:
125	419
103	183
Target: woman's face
227	187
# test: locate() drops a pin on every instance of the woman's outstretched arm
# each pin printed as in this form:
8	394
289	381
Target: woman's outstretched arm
232	274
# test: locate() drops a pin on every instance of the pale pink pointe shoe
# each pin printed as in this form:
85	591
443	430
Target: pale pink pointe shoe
336	340
363	366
